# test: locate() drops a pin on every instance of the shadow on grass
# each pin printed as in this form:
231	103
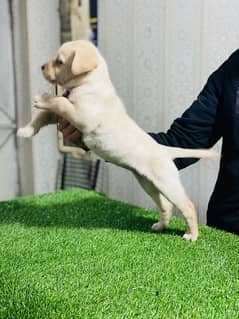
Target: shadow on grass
92	212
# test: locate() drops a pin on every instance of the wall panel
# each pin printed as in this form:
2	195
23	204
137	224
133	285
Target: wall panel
160	54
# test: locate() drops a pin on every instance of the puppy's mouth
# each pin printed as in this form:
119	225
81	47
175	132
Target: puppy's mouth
48	73
50	78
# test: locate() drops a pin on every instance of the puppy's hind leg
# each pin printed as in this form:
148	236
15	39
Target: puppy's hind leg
168	183
189	212
165	215
165	207
175	193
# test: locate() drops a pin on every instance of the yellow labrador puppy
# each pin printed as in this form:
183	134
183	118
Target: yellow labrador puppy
94	108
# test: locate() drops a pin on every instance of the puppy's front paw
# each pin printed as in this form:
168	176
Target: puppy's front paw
25	132
40	101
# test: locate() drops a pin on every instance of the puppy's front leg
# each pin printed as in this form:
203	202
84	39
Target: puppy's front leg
39	120
56	104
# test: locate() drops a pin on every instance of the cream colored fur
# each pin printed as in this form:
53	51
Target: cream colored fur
95	109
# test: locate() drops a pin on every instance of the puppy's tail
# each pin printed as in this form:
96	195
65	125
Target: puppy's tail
177	152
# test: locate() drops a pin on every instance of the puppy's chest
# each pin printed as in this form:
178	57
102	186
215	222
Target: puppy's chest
86	112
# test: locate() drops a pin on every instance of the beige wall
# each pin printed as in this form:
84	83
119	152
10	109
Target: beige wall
160	53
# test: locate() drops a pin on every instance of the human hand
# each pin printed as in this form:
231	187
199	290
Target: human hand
69	132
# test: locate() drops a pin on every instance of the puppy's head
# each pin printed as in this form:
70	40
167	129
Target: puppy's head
73	59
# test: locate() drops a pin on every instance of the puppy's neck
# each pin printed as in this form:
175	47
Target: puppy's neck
75	82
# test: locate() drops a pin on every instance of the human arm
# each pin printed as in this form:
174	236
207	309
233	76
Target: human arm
200	125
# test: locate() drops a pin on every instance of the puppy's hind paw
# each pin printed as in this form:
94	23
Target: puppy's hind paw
190	237
25	132
158	227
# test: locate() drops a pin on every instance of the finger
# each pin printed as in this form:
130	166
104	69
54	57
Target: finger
61	120
68	130
62	123
75	136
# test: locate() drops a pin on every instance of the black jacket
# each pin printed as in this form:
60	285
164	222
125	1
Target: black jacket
214	114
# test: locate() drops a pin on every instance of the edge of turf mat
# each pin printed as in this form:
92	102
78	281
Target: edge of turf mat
79	254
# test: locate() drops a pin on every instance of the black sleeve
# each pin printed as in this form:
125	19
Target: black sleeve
199	126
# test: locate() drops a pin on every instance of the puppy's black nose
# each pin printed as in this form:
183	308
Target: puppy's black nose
43	67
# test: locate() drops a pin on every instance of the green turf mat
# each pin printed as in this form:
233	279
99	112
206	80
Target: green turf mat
78	254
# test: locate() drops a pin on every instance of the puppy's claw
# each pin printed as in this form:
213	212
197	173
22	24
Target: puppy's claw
25	132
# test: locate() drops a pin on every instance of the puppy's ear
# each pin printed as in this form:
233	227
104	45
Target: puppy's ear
85	59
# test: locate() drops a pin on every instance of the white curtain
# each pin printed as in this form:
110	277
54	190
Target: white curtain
160	54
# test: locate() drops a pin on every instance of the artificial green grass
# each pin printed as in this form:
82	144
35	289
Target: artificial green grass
78	254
